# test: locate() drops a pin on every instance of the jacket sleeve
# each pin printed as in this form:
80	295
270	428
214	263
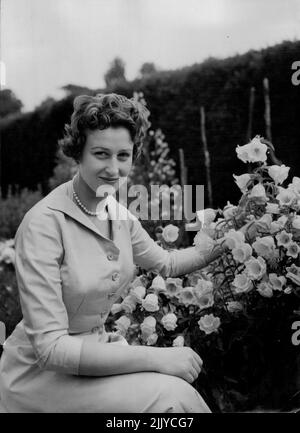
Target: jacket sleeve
39	253
150	256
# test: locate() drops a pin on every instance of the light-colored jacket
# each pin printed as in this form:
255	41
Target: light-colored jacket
69	275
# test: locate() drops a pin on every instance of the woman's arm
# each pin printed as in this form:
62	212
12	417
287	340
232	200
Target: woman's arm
150	256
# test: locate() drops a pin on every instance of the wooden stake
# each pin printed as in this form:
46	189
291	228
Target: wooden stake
206	157
267	109
250	114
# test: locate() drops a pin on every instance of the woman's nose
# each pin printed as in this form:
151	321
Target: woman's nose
112	167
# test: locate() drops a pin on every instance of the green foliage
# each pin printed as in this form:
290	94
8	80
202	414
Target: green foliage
13	209
9	103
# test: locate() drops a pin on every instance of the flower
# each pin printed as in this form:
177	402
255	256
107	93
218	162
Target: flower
203	286
242	283
169	321
150	303
278	173
264	223
203	243
293	274
209	323
242	181
234	306
285	196
242	253
272	208
255	151
206	216
178	341
276	281
264	246
115	308
8	255
293	250
158	284
234	239
186	296
284	239
173	286
296	222
152	339
122	324
255	268
258	191
265	289
295	186
138	293
170	233
148	326
229	211
129	304
204	298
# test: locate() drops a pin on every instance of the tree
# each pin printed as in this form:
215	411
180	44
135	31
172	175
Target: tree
9	103
116	73
147	68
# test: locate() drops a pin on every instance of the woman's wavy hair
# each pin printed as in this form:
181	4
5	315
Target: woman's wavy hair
101	112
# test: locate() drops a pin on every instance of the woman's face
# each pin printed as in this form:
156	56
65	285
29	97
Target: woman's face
106	157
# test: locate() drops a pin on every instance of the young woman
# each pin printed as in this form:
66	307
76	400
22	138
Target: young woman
72	266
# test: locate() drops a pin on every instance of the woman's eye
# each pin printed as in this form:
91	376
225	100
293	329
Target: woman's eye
124	155
101	154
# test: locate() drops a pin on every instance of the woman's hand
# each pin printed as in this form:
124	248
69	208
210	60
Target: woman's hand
183	362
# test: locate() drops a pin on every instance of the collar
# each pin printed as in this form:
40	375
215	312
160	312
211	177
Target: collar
60	199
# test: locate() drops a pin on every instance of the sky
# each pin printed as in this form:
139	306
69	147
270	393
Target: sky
46	44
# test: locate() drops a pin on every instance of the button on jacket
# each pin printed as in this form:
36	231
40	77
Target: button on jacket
69	275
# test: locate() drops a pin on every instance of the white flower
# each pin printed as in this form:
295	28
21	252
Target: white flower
295	186
115	308
206	216
255	151
242	181
152	339
158	284
264	223
122	324
204	298
296	222
285	196
129	304
186	296
178	341
264	246
272	208
234	306
284	239
209	323
255	268
294	274
276	281
242	253
258	191
242	283
169	321
203	286
278	173
234	239
150	303
229	211
138	293
293	250
148	326
173	286
8	255
203	243
265	289
170	233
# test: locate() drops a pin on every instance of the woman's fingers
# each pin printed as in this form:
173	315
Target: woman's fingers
198	359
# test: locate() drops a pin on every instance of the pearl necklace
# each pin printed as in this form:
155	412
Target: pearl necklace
81	205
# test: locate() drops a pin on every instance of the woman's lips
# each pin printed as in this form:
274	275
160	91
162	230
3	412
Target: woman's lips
109	180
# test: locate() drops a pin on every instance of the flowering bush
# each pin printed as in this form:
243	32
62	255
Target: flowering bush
236	313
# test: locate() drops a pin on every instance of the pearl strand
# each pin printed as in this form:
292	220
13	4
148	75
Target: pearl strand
81	205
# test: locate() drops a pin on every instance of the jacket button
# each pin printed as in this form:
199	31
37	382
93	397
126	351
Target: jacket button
115	276
110	256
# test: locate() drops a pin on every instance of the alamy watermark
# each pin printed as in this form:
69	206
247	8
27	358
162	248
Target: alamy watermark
296	75
156	202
